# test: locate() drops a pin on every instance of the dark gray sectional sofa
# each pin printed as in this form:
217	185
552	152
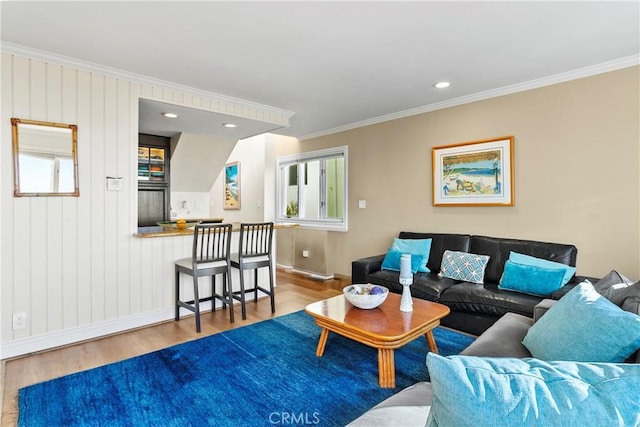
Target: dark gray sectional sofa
474	307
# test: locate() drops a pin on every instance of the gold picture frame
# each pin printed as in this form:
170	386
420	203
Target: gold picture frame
476	173
231	196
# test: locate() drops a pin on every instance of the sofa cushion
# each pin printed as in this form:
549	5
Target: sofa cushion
502	339
499	249
408	407
440	242
392	261
519	258
474	391
531	279
463	266
420	247
487	299
579	327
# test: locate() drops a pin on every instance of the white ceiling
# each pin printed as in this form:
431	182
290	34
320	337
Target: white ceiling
336	64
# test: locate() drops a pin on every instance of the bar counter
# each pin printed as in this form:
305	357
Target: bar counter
157	231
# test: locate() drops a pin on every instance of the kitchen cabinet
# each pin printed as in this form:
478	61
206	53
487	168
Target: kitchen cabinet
153	179
152	164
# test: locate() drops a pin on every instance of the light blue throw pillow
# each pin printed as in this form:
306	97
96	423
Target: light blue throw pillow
584	326
391	261
414	247
463	266
531	280
539	262
479	391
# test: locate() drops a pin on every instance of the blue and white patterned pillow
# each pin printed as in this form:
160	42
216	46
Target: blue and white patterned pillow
463	266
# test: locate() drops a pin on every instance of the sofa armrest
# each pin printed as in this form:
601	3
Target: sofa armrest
575	280
361	268
541	308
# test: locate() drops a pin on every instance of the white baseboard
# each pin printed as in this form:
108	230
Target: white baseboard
313	275
23	346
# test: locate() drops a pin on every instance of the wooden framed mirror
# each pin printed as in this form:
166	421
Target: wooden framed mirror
45	158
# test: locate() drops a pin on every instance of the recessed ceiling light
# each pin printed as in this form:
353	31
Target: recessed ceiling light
228	125
170	115
441	85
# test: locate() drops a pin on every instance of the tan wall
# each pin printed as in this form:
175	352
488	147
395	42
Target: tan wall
576	173
315	242
292	242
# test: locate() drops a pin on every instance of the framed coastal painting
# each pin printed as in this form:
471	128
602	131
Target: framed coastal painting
476	173
232	186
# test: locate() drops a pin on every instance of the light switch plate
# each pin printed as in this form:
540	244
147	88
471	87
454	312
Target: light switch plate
114	184
362	204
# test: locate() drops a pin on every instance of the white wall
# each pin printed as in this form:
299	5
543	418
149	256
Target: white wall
73	264
188	205
251	153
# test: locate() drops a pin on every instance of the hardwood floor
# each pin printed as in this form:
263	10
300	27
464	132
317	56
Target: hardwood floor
293	293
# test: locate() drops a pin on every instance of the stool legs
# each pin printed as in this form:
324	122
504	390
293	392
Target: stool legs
177	295
227	292
241	294
272	294
196	302
225	295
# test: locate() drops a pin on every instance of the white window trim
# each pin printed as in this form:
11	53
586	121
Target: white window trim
321	224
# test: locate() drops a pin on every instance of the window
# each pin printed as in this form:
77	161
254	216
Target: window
45	173
312	188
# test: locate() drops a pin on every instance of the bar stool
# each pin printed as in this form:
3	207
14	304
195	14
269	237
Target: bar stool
254	252
210	256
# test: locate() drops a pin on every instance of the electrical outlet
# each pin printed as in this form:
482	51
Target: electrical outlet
305	254
19	321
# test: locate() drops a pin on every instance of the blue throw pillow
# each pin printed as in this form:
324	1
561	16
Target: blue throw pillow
392	261
584	326
531	280
479	391
463	266
414	247
539	262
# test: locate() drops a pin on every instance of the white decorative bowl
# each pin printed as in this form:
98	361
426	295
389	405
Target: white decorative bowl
361	296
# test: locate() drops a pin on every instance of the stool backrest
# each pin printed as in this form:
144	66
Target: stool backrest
255	239
211	242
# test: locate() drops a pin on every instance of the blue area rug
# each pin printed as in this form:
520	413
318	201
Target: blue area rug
258	375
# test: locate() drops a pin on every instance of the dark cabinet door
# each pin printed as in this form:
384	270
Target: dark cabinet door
152	205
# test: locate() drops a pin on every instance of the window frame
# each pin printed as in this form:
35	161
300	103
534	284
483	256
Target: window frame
333	224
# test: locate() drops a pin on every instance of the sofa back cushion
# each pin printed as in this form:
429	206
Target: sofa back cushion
499	249
439	243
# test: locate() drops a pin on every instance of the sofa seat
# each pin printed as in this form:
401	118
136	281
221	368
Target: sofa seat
503	339
427	286
488	299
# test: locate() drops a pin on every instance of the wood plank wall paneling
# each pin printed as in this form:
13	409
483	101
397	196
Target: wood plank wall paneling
6	178
73	262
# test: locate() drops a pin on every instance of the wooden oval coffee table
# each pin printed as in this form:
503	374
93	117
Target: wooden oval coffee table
384	328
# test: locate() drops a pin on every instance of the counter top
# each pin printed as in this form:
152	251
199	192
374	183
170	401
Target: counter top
146	232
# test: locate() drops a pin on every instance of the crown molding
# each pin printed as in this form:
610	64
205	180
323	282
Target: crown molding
15	49
580	73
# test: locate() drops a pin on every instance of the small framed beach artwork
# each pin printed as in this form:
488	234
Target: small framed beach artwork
476	173
232	186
